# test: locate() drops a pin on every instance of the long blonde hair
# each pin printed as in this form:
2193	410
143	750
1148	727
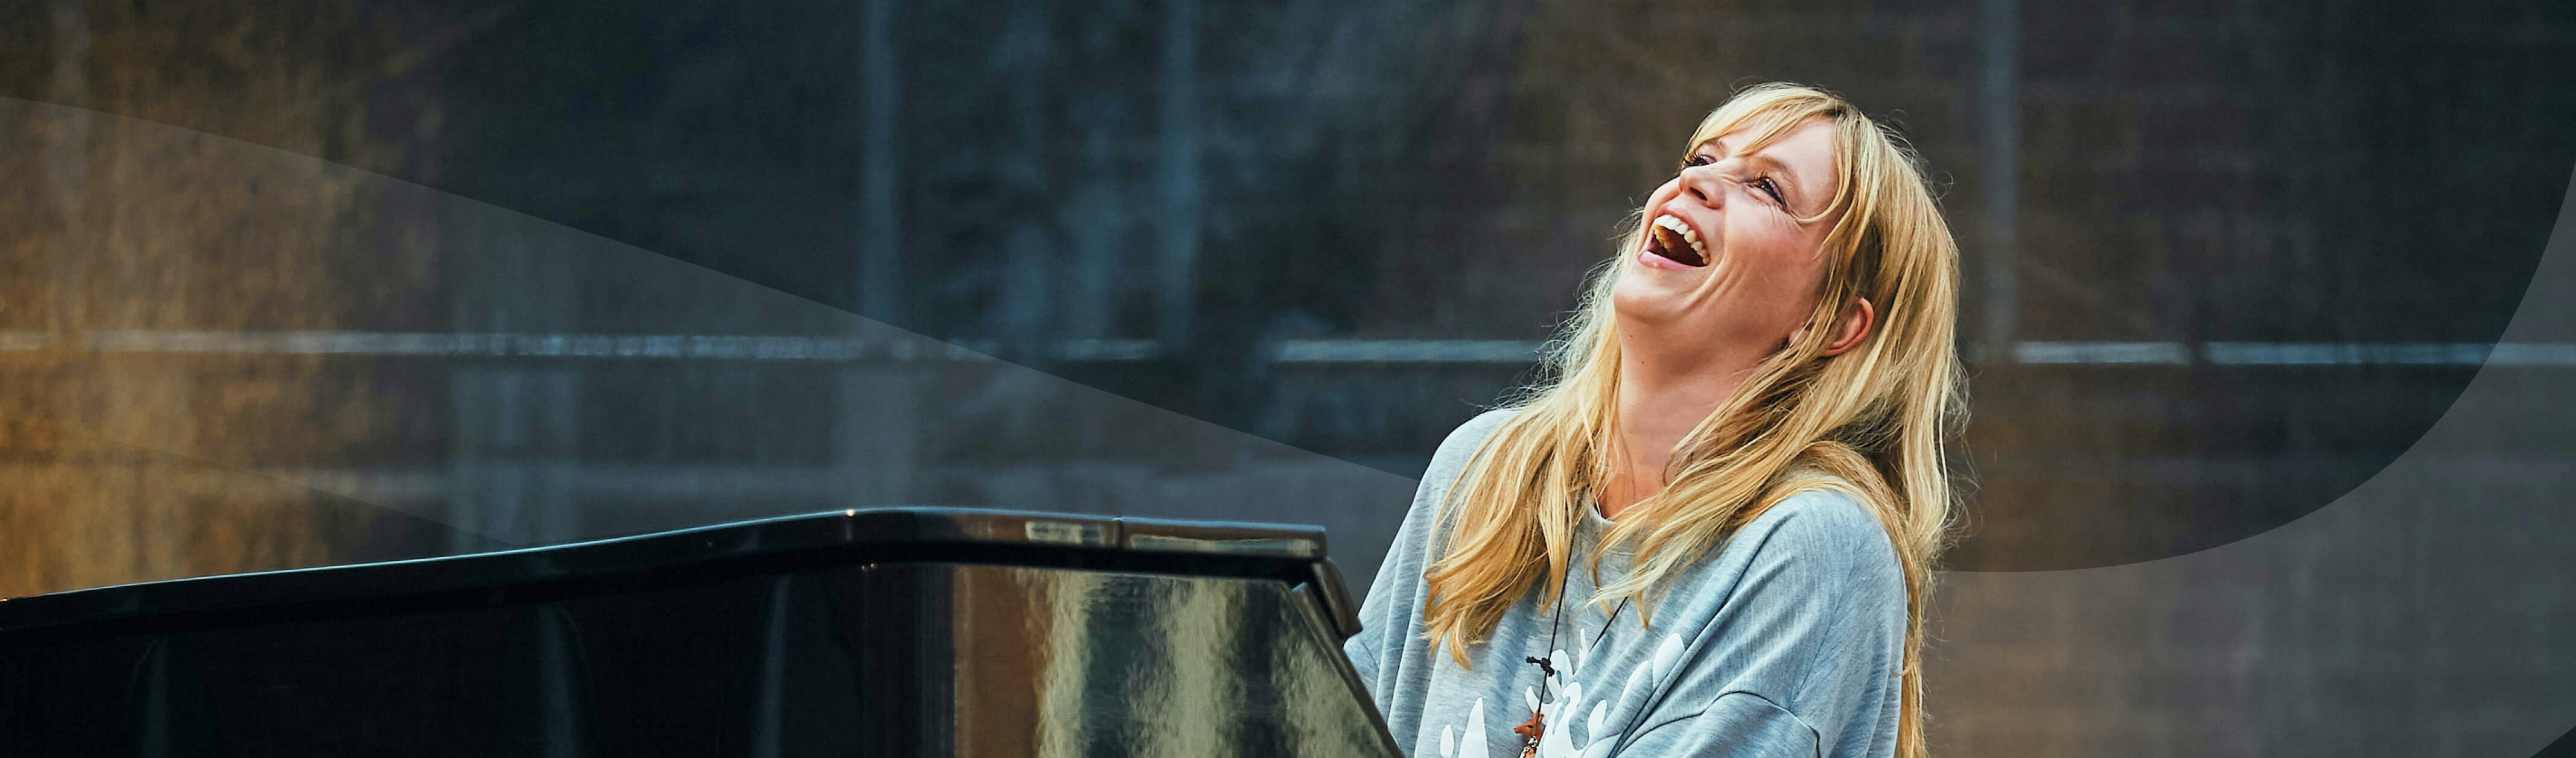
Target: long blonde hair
1870	422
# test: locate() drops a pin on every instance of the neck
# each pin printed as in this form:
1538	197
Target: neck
1662	397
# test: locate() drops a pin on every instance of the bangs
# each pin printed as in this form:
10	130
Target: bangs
1772	111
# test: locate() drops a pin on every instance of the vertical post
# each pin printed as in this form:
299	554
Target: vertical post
513	450
880	265
67	163
875	443
1177	183
1999	105
874	431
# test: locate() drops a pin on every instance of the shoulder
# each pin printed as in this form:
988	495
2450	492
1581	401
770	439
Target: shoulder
1834	537
1462	442
1825	514
1474	432
1447	463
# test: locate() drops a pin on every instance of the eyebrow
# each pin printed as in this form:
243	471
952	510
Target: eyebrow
1791	192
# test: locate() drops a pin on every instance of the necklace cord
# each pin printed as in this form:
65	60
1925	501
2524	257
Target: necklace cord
1537	724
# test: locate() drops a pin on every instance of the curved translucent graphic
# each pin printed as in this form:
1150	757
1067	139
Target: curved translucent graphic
226	357
2425	613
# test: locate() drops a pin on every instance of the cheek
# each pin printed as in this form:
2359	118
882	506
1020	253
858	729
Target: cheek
1783	263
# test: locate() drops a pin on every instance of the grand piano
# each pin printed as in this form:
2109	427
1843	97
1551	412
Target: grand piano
882	632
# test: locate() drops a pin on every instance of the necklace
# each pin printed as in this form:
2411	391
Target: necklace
1531	730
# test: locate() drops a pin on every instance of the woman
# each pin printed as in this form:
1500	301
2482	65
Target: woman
1733	480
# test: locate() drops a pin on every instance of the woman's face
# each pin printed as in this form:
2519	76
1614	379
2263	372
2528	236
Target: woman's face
1725	268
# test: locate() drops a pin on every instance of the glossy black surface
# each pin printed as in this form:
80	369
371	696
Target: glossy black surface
915	632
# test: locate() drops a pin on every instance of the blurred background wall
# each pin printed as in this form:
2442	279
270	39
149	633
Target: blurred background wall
295	283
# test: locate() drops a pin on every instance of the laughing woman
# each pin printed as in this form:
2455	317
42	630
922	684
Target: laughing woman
1711	531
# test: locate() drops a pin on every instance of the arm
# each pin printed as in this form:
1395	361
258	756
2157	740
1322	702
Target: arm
1802	656
1393	605
1380	610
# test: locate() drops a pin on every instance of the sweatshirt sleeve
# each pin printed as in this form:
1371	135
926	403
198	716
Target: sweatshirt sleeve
1378	611
1736	725
1804	654
1390	616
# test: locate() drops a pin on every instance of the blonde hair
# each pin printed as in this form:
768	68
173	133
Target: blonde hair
1870	423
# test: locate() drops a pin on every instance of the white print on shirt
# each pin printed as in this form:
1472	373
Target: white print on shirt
1557	740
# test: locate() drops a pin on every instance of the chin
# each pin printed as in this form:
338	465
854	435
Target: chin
1640	288
1631	301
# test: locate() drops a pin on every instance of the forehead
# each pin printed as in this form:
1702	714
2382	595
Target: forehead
1805	150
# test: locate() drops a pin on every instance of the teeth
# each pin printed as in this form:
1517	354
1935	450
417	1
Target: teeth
1675	224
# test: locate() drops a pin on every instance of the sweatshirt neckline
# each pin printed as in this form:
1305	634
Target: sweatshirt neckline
1594	528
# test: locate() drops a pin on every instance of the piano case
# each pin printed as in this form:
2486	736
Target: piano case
888	632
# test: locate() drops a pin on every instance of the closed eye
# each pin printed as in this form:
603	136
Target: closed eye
1763	183
1771	188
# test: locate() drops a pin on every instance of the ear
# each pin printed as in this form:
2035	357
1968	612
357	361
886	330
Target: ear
1854	327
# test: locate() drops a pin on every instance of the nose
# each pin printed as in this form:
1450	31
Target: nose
1703	183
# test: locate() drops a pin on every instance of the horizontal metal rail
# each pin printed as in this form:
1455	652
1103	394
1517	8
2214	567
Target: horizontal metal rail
1294	351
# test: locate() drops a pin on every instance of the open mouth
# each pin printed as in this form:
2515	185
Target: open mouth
1674	240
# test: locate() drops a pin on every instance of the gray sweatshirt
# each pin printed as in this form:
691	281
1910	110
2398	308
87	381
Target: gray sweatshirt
1786	642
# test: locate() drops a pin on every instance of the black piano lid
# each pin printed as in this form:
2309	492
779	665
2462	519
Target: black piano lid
1293	554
